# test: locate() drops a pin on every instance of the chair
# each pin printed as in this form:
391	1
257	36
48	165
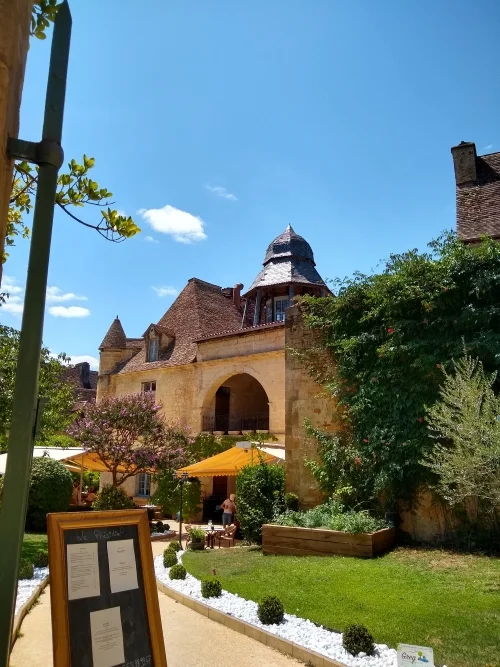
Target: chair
228	535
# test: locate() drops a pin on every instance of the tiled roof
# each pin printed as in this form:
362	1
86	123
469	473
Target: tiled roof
80	375
115	338
478	203
289	259
200	310
159	329
245	330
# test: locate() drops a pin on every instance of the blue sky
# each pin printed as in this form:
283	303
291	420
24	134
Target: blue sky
334	116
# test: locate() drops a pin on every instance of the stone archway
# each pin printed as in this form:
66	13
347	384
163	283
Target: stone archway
235	403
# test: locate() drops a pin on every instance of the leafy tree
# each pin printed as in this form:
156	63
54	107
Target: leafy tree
258	488
128	436
112	498
52	384
465	420
386	340
76	188
167	494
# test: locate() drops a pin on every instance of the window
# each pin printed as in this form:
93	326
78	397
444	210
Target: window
144	485
148	386
280	305
153	349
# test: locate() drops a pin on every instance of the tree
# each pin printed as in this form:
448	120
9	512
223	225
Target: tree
167	494
76	188
388	339
129	436
57	414
259	489
465	421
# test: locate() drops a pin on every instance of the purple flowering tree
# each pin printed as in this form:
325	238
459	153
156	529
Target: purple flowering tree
129	436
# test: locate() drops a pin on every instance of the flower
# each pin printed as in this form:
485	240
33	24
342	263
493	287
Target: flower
420	419
357	461
390	330
365	440
438	365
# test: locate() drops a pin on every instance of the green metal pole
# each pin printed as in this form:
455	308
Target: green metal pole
48	155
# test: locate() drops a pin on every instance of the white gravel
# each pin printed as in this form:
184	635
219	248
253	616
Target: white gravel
295	629
166	533
26	587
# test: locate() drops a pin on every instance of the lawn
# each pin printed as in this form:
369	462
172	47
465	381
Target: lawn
32	544
448	601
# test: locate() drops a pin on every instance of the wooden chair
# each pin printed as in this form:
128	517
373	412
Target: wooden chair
228	535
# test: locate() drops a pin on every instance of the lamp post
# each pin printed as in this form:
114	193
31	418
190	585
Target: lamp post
182	479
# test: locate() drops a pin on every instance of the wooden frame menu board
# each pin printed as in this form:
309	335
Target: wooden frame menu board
104	600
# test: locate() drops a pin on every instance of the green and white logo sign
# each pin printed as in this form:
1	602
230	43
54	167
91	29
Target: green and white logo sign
415	656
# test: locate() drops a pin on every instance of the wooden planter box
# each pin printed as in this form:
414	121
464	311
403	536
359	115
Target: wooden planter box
289	541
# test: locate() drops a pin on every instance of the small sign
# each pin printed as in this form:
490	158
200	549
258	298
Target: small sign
417	656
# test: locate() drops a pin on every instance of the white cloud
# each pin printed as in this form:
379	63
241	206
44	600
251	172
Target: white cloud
11	286
165	291
219	191
14	305
78	358
150	239
69	311
488	147
56	295
181	225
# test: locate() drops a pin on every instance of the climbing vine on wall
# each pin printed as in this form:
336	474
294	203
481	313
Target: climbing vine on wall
388	337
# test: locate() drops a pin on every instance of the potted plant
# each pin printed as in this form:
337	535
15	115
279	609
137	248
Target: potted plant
197	539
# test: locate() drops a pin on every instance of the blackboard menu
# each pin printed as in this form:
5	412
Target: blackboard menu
107	615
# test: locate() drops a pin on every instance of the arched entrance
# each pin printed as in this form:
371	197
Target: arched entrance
239	404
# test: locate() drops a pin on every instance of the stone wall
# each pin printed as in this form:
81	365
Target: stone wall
15	18
304	399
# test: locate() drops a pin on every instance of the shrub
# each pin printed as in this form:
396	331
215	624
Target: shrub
174	546
197	534
291	502
270	611
167	494
166	526
177	572
41	559
26	569
112	498
332	515
169	558
49	491
256	498
211	588
160	528
357	639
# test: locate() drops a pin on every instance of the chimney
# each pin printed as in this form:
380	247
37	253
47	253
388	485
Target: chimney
464	160
84	368
237	294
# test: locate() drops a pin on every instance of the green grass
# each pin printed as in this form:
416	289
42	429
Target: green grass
32	544
448	601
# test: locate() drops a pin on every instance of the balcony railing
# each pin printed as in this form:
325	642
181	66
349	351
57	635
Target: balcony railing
227	423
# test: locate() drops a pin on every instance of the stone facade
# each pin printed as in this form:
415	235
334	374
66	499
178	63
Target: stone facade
14	42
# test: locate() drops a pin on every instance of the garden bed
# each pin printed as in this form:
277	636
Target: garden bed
292	541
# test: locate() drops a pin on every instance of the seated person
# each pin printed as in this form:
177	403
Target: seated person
91	496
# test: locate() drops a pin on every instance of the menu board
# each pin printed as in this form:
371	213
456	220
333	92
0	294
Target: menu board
103	614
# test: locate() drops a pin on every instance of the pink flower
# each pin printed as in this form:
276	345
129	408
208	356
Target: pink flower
365	440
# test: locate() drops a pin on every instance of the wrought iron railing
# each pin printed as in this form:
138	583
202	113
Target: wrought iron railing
227	423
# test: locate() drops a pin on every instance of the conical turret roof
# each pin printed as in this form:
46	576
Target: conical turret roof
289	259
115	338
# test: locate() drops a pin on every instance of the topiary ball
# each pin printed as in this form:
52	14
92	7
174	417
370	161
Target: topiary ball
174	546
50	490
160	528
177	572
271	611
169	558
41	559
211	588
26	569
357	639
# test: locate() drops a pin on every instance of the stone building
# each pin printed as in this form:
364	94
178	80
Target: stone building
478	192
84	382
216	360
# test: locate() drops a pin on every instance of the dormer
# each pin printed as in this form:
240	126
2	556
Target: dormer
157	339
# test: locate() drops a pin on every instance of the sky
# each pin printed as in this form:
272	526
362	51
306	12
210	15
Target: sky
217	123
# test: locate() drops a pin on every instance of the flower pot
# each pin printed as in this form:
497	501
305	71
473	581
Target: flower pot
234	432
197	546
263	430
247	432
218	432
